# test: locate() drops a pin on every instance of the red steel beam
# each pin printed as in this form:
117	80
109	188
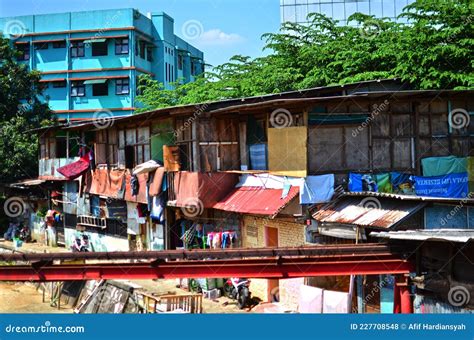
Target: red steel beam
201	254
249	268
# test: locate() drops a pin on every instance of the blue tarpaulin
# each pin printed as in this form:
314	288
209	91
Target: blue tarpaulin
451	186
317	189
355	182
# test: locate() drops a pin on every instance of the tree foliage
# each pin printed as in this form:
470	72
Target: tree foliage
434	50
22	108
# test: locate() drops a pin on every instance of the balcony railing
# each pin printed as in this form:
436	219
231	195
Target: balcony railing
92	221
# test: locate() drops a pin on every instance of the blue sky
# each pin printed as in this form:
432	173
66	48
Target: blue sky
229	26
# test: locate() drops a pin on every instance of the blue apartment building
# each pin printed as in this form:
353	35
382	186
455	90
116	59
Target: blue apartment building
90	61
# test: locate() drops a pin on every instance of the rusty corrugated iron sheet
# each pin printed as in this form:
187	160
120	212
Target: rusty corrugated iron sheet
257	200
209	188
367	212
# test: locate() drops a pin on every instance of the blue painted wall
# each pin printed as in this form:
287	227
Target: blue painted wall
157	30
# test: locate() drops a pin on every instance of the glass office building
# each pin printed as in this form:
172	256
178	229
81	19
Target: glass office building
297	10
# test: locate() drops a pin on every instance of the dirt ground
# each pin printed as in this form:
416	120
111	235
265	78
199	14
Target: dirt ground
21	298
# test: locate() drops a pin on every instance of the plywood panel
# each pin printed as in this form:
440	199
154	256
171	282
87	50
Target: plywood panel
229	157
439	124
460	146
424	148
325	149
381	154
287	151
401	125
403	107
440	147
356	149
402	154
227	130
208	155
424	125
381	125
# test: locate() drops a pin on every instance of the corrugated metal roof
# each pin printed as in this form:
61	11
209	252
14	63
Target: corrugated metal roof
454	235
405	197
256	200
367	212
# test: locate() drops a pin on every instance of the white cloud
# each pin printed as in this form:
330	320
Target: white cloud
216	37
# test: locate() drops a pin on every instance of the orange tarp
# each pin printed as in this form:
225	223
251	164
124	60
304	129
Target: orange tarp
109	183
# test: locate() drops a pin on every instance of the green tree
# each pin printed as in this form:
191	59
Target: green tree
435	50
22	108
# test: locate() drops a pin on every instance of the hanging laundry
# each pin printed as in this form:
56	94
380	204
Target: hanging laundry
133	227
383	183
92	159
156	182
317	189
157	212
286	189
210	237
75	169
132	210
355	182
148	166
266	180
134	185
225	239
121	191
95	205
451	186
233	239
440	166
216	241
